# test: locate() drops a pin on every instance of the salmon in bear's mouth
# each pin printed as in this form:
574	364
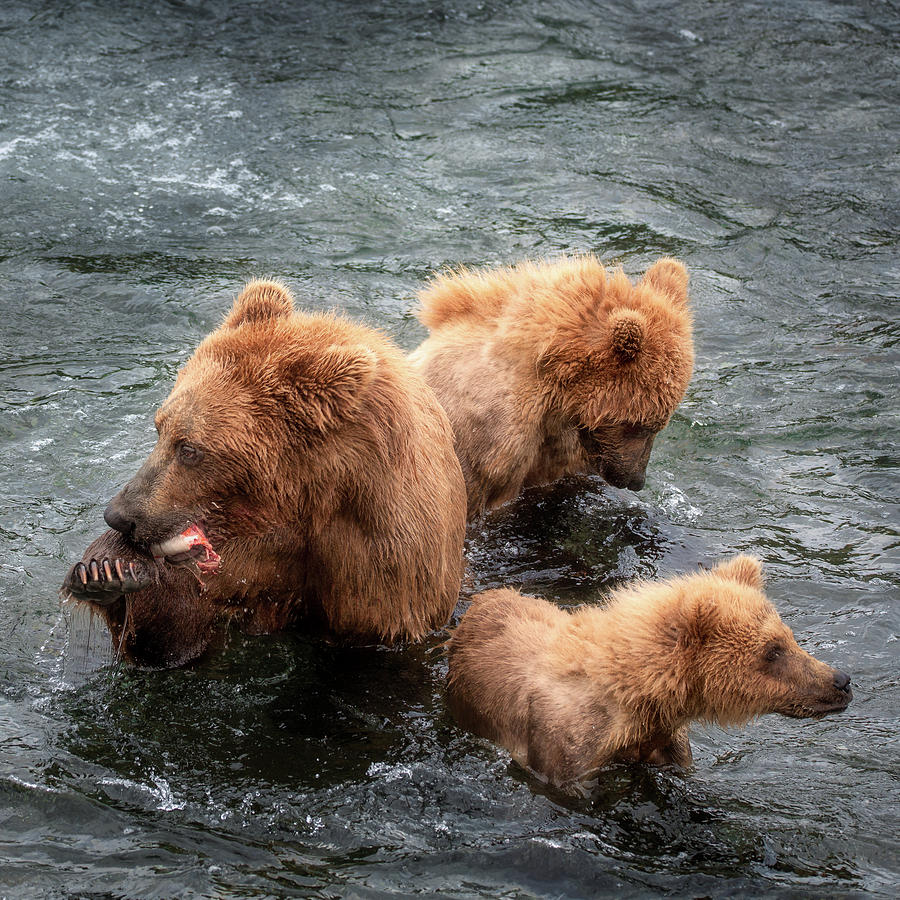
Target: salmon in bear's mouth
191	543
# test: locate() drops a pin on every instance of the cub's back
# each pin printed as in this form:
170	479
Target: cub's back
499	660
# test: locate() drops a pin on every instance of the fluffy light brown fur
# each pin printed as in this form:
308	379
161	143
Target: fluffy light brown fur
321	470
547	369
567	692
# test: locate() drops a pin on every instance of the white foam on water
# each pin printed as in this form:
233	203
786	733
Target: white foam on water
159	791
673	502
389	773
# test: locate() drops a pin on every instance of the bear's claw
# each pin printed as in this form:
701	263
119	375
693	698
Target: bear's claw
104	581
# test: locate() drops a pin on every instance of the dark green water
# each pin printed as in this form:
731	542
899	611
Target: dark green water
154	156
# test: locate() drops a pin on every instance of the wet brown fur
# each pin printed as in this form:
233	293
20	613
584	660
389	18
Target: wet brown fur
567	692
328	486
553	368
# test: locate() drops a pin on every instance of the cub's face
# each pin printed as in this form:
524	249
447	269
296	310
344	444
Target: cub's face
794	682
618	365
619	453
746	658
752	665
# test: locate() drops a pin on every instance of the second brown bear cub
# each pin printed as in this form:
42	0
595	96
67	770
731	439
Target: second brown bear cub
566	693
550	369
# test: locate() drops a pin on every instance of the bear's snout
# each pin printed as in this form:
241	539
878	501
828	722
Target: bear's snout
841	682
118	518
838	694
621	478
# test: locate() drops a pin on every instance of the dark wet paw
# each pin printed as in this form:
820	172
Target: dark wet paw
103	581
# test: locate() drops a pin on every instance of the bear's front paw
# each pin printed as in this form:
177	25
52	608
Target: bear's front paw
103	581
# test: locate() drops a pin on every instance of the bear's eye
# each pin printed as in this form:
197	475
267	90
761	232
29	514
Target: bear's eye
774	652
189	455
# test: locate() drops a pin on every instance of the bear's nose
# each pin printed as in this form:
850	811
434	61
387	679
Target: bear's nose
636	483
116	518
841	680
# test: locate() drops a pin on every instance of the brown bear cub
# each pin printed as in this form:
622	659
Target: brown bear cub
303	472
568	692
555	368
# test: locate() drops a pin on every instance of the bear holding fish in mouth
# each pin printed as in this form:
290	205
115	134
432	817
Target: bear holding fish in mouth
303	473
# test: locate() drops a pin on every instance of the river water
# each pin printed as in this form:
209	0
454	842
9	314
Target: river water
154	156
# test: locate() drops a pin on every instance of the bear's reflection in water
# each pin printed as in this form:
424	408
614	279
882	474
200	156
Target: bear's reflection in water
283	709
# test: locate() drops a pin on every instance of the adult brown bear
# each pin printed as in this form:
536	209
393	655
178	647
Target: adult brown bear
555	368
303	472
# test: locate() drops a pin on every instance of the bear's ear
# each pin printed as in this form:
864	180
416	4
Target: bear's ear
326	387
696	621
669	277
260	301
627	328
743	569
621	336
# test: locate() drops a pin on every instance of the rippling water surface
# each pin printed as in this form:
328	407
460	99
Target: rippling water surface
153	156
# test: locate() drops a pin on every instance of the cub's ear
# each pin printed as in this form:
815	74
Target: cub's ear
627	328
326	387
696	622
260	301
620	339
743	569
669	277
